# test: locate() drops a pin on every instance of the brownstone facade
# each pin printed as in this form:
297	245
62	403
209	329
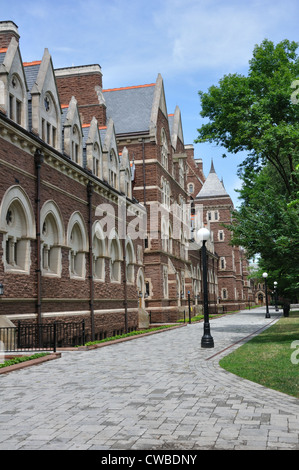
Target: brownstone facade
95	193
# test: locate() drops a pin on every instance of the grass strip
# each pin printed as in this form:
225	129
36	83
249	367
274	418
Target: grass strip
17	360
200	316
270	359
126	335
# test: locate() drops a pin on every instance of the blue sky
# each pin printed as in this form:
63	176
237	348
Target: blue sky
192	43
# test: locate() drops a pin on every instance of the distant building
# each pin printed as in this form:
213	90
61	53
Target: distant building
215	207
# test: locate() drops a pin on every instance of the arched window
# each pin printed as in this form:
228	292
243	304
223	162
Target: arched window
16	100
113	170
168	194
164	234
163	190
190	188
77	242
164	149
115	258
49	120
52	238
165	193
77	255
75	145
98	251
98	259
16	245
18	227
96	161
115	262
130	261
222	263
50	250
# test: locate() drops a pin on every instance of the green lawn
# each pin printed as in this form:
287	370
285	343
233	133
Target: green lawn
269	359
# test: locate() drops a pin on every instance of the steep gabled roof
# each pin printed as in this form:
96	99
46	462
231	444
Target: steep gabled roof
130	107
135	109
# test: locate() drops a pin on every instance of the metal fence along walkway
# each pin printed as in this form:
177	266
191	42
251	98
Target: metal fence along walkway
44	337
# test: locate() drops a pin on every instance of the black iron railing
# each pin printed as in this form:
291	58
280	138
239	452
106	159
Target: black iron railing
47	337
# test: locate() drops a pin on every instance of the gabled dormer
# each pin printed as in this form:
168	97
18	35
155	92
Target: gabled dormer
125	173
158	104
179	157
44	101
13	85
177	137
93	148
111	161
72	132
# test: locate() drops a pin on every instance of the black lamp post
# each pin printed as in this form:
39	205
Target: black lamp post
275	296
207	341
265	275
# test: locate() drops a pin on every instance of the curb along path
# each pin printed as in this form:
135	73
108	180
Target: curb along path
159	392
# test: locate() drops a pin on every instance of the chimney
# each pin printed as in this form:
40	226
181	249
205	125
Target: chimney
189	149
8	30
85	84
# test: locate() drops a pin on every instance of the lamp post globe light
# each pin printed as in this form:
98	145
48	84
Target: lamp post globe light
207	341
265	275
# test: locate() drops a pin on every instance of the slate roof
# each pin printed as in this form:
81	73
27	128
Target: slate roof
2	56
170	121
212	186
130	108
31	72
103	135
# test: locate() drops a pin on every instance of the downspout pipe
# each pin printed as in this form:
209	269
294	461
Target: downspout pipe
38	160
144	178
91	274
122	233
125	285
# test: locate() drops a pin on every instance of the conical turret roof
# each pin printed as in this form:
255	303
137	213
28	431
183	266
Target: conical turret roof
212	187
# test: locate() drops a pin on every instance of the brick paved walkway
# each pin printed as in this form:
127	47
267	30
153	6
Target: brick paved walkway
160	392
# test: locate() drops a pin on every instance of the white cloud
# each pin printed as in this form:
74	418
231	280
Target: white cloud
192	43
137	36
214	34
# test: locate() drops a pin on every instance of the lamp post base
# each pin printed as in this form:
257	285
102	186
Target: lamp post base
207	340
267	315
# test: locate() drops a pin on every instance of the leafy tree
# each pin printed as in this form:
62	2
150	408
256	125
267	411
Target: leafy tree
259	114
267	225
256	113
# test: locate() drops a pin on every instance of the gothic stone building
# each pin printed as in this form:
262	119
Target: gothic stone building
95	215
